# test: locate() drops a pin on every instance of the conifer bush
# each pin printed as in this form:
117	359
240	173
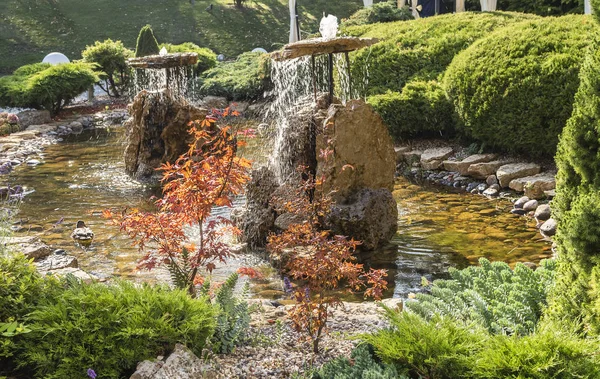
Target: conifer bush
146	43
207	58
577	205
110	328
421	109
421	49
111	59
384	11
246	78
46	86
513	90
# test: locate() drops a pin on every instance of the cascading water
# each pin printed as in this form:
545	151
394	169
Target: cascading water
179	80
297	84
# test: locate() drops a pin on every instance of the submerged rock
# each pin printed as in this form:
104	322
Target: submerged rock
370	216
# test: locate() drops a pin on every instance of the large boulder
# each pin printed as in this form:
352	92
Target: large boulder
157	131
33	117
369	216
512	171
362	155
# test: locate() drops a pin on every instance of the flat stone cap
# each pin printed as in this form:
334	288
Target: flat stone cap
164	61
318	46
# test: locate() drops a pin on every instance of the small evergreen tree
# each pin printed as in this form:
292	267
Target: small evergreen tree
146	43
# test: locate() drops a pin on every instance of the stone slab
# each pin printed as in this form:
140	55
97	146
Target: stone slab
511	171
534	186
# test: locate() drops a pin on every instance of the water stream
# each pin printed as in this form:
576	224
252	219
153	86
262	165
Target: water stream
438	229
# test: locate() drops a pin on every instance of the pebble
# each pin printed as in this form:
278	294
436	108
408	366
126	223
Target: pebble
521	201
530	206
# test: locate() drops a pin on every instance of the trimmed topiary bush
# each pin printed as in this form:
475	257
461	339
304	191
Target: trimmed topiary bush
576	295
49	87
207	58
421	49
110	328
514	89
421	109
385	11
246	78
111	58
146	43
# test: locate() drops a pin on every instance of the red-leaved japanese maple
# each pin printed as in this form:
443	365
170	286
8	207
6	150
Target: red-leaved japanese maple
320	261
209	174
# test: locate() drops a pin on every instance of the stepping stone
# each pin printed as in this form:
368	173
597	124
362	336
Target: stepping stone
400	153
462	167
512	171
543	212
432	159
484	169
548	228
534	186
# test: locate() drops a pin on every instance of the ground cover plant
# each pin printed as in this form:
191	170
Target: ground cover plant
246	78
496	297
513	90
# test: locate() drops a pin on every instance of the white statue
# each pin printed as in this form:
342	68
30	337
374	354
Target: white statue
329	26
163	52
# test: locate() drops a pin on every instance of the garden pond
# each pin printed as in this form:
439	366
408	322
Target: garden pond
438	228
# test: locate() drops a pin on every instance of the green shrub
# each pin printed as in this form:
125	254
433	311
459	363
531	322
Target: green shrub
577	205
146	43
207	58
111	59
501	300
21	289
514	89
110	328
49	87
421	49
385	11
363	365
443	348
421	109
439	348
246	78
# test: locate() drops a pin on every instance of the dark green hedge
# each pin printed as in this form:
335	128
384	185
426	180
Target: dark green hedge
421	109
421	49
246	78
514	89
207	58
111	59
576	295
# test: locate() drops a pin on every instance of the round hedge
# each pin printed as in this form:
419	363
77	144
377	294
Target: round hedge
576	295
421	49
514	89
421	109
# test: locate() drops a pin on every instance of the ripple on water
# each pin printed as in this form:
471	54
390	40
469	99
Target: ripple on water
437	230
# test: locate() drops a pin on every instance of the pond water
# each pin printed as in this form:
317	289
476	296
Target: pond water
438	229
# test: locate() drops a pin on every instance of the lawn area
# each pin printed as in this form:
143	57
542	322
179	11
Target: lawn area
29	29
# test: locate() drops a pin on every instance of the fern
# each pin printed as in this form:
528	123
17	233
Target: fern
233	319
502	300
180	271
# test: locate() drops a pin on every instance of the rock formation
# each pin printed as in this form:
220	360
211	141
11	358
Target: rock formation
359	169
157	131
